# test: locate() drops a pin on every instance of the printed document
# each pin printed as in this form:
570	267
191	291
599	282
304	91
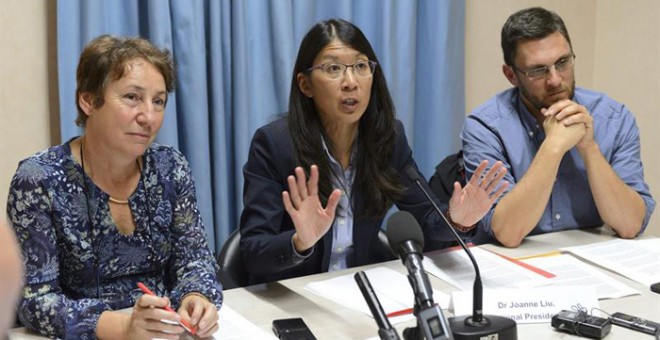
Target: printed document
455	268
233	326
638	260
391	287
570	271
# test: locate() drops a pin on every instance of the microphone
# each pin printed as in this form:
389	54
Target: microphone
406	239
477	326
385	329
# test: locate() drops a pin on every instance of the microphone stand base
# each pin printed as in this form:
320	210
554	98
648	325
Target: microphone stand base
492	327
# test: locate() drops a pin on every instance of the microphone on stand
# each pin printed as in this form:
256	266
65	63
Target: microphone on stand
406	239
385	329
477	326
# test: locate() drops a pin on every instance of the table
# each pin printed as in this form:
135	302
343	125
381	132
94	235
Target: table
263	303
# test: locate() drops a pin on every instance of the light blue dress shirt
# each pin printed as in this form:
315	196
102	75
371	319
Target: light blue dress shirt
342	225
503	129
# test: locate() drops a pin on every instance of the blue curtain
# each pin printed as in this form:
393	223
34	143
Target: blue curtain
234	62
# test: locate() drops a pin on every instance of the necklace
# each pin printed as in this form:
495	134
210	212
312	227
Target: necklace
110	198
114	200
92	230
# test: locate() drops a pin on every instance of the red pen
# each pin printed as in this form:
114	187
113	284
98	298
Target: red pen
183	323
400	312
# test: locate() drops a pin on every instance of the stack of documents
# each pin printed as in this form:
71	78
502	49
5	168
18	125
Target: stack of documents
570	271
511	287
455	268
638	260
392	289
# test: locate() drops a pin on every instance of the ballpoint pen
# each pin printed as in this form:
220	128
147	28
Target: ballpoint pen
183	323
400	312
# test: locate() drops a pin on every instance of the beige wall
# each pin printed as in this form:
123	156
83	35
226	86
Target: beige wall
617	44
628	69
25	123
483	22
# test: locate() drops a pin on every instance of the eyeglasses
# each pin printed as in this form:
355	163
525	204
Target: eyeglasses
563	64
363	69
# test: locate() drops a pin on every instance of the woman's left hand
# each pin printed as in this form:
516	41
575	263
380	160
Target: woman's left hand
468	205
200	313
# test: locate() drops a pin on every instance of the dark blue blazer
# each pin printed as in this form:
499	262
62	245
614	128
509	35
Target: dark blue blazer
266	228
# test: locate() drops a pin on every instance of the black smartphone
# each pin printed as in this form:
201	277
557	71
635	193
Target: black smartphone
655	287
292	329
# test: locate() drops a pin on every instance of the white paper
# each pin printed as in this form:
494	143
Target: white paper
570	271
649	243
535	305
233	326
455	268
639	260
392	289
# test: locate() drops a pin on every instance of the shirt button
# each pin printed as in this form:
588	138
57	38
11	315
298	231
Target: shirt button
335	267
531	133
558	216
342	221
339	250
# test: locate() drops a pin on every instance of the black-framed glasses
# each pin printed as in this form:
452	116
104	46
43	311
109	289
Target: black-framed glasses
563	64
362	68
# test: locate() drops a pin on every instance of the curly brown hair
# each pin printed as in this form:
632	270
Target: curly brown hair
105	58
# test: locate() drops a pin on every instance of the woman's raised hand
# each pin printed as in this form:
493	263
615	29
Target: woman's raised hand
302	202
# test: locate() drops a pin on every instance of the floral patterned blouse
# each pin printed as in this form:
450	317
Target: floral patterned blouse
76	268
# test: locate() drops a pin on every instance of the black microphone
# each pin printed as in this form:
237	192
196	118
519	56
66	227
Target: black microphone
385	329
477	326
407	241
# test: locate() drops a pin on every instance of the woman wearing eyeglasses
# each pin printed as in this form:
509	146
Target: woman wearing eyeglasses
319	181
109	209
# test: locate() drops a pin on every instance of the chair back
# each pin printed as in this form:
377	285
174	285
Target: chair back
450	170
232	273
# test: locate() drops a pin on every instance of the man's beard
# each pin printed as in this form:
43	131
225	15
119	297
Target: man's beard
536	102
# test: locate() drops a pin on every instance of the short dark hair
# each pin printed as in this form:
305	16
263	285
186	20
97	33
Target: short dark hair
376	133
104	59
530	24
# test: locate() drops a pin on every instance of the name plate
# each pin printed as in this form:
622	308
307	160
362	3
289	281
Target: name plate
536	305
